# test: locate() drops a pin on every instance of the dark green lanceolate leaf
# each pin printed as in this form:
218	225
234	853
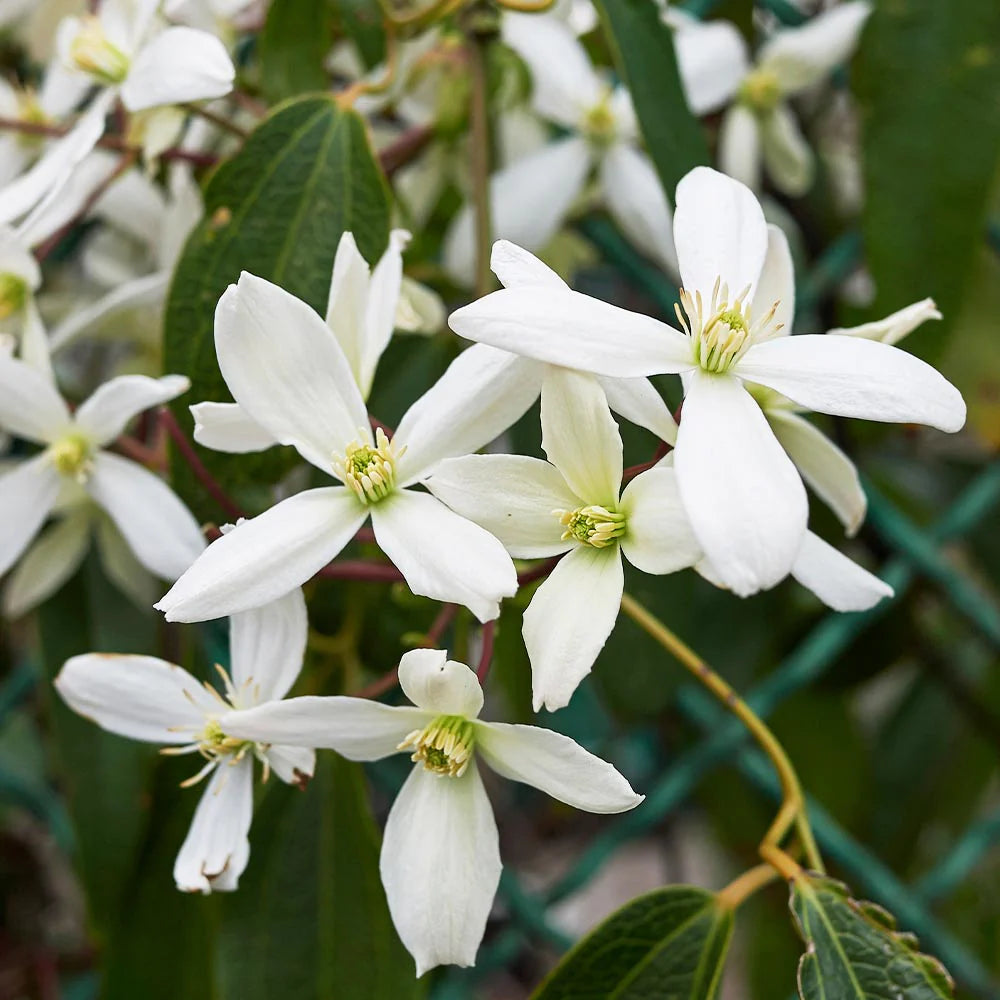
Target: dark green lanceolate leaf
667	945
644	52
296	39
928	82
310	920
277	209
854	952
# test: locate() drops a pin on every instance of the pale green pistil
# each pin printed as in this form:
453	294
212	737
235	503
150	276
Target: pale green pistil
599	124
92	52
592	525
444	746
760	91
13	294
73	457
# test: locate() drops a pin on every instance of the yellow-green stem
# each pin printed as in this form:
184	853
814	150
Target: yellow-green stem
745	885
793	808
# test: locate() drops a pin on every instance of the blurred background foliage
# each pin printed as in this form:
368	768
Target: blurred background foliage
891	717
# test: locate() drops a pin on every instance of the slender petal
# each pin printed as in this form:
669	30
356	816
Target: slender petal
228	427
746	501
181	64
30	406
266	557
659	537
380	310
569	620
105	414
574	330
853	377
515	266
48	564
27	494
483	392
787	156
294	765
637	399
894	327
267	646
287	372
777	284
35	347
442	555
836	580
216	849
824	467
739	146
160	530
440	866
438	685
580	437
720	232
638	204
345	308
140	697
556	765
357	728
512	496
713	60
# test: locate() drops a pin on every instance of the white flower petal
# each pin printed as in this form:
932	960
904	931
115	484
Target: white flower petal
512	496
287	372
442	555
482	393
739	146
580	437
346	302
48	564
529	200
719	231
140	697
267	646
228	427
802	56
380	310
713	60
216	850
180	64
104	415
569	620
35	347
787	156
27	494
894	327
830	473
440	866
837	581
555	764
746	502
637	399
122	567
659	538
159	529
30	406
439	685
777	283
515	266
853	377
294	765
267	556
637	202
574	330
357	728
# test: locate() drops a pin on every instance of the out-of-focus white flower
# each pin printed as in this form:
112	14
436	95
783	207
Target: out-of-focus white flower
572	504
894	327
531	197
743	494
148	699
440	856
301	389
157	526
20	278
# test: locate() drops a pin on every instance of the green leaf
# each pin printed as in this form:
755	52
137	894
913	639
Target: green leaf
667	945
643	47
854	952
928	83
361	21
295	41
310	920
277	209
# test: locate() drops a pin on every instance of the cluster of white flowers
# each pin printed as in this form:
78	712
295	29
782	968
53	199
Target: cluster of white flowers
727	498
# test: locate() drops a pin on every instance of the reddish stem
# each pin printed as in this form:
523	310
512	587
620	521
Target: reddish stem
405	148
488	634
359	569
378	425
537	572
662	449
141	453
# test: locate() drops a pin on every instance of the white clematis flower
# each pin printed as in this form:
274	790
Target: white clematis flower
743	494
572	504
300	388
157	526
531	197
440	858
894	327
20	278
148	699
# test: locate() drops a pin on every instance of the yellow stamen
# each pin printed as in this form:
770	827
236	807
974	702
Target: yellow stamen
444	746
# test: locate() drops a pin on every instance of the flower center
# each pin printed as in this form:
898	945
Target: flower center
30	110
92	52
370	472
73	457
599	123
593	525
444	746
722	333
13	294
760	91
